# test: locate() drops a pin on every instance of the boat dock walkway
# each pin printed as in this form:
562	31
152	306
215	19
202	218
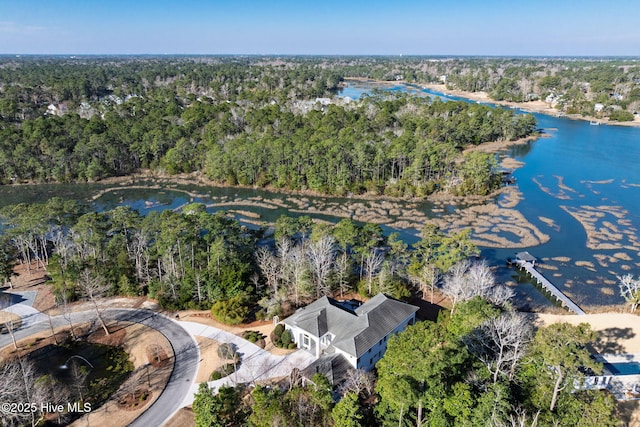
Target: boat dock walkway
527	262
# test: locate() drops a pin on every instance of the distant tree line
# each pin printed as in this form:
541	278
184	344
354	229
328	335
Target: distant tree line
239	121
572	86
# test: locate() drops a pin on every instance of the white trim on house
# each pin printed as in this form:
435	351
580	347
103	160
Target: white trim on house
359	333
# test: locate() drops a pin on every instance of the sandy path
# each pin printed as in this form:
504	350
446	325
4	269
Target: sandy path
617	332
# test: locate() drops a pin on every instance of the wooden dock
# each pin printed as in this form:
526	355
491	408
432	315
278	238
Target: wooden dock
547	285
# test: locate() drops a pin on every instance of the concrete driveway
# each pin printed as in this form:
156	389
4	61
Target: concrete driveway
255	363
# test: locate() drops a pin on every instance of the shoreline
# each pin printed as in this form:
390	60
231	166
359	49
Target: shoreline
196	178
540	107
496	223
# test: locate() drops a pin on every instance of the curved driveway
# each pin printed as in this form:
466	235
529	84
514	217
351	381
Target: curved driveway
185	349
256	364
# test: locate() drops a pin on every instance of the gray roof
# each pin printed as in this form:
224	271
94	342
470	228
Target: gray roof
333	366
356	331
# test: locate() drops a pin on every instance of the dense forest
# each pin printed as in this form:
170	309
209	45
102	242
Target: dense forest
261	122
194	259
480	363
268	121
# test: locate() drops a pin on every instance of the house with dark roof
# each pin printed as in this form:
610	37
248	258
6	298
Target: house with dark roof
357	332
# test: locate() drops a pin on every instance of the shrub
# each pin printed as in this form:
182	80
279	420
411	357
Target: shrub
223	371
279	329
282	338
253	336
227	351
621	116
286	338
232	311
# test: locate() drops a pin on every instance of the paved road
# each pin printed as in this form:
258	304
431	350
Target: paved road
186	352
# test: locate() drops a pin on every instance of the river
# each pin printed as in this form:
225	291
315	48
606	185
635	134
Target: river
579	185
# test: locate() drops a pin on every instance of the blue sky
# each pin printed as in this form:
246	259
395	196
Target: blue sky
410	27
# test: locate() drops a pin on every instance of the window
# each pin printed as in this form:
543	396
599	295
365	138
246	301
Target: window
306	341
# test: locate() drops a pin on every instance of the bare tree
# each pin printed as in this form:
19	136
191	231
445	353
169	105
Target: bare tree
520	418
62	301
140	254
269	267
426	277
321	254
455	284
500	295
283	247
200	290
630	290
480	279
9	381
358	381
79	374
372	263
53	331
466	280
342	267
501	342
296	270
63	247
57	393
18	384
93	287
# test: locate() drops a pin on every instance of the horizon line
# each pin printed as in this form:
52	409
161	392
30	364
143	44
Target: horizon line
398	55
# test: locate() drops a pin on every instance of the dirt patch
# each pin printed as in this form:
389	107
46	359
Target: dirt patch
152	357
209	359
137	399
629	412
618	332
115	338
146	382
184	417
33	278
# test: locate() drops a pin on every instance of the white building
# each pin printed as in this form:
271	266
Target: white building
358	333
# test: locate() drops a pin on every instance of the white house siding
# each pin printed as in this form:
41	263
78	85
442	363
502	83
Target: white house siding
369	359
353	361
352	331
